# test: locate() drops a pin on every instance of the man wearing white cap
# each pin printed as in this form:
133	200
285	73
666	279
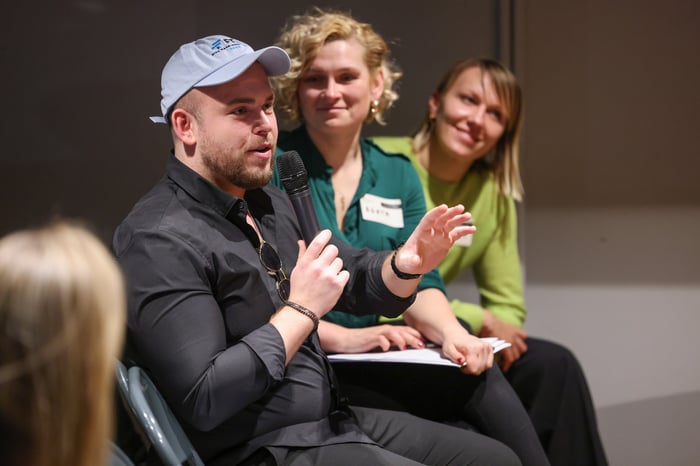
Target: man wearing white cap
225	298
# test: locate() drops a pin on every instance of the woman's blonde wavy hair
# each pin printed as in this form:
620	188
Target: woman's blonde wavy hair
304	35
62	311
504	161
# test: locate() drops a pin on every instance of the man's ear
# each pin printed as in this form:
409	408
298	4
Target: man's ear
184	126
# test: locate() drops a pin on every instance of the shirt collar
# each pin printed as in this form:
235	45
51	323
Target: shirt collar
199	188
231	207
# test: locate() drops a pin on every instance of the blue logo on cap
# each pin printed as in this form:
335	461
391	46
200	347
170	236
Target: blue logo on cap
219	45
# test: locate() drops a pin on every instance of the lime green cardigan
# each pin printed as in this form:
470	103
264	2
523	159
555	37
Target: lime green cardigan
493	253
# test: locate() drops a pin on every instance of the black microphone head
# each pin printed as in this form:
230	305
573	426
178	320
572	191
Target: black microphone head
292	172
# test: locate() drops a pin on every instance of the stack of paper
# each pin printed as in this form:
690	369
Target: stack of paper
429	355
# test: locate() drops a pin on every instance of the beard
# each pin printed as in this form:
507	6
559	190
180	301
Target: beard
226	164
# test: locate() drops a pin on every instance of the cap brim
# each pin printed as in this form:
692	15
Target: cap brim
273	59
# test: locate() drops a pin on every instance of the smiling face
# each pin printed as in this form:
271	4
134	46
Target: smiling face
229	131
469	117
336	90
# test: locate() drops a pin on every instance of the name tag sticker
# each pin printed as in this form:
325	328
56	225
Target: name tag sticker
465	241
382	210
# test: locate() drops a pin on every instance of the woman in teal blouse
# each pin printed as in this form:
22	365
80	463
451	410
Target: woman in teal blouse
340	79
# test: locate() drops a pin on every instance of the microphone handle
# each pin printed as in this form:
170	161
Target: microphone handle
304	208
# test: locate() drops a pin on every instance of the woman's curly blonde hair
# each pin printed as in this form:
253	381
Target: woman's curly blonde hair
304	35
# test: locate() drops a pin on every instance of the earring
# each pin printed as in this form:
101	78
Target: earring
373	107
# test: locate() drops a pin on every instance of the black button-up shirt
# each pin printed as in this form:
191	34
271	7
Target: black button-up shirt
199	308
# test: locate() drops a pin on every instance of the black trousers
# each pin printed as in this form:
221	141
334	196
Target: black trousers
485	403
552	386
403	440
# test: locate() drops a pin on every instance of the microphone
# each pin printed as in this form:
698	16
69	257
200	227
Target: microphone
294	178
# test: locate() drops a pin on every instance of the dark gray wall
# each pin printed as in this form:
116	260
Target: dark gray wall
612	116
81	77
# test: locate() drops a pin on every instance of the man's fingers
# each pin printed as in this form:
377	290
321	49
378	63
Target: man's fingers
432	219
302	249
318	244
461	231
343	278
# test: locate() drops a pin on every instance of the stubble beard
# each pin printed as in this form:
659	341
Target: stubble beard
233	169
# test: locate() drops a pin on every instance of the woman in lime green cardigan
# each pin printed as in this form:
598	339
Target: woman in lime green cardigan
466	151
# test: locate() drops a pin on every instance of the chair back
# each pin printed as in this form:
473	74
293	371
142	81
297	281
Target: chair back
160	424
122	379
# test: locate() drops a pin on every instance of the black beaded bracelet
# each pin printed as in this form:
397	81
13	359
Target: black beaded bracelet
304	311
397	272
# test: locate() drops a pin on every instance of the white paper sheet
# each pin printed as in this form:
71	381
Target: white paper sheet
429	355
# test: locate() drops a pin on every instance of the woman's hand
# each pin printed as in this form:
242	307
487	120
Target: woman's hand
471	353
339	339
493	327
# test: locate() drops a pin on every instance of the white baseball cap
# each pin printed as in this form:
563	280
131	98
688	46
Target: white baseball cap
210	61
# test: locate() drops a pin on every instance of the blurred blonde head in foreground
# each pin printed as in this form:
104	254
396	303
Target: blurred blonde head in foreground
62	311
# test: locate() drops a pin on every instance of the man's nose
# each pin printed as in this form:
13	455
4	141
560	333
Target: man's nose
265	122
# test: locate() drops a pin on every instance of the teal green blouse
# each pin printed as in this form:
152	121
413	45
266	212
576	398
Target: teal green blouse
386	208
